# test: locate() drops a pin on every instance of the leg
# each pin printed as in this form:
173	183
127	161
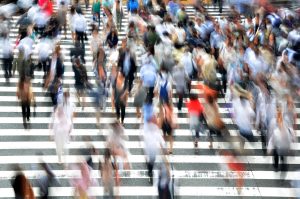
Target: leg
23	106
28	111
123	107
276	159
180	100
117	106
6	67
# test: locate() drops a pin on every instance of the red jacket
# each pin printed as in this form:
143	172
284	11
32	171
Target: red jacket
194	106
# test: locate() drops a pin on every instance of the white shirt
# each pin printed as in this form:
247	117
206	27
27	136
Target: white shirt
27	44
44	49
187	62
40	19
80	23
153	140
243	114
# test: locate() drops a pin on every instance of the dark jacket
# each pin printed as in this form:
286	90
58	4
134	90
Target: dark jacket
132	68
76	53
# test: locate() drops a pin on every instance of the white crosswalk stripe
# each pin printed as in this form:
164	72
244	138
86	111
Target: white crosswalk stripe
197	175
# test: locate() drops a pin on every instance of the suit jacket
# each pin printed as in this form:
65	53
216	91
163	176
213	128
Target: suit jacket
132	68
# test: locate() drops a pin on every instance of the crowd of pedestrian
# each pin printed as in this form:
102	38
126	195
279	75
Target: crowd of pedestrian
249	60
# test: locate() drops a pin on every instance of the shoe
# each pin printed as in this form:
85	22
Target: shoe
196	144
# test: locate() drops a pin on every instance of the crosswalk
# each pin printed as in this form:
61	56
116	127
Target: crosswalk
197	174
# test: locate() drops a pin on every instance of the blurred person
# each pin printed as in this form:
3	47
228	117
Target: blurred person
164	179
148	78
40	21
196	112
289	114
180	79
72	16
82	185
163	86
280	141
116	143
167	122
100	67
119	96
88	150
95	42
107	171
44	48
140	94
117	11
132	37
22	187
81	81
60	128
112	38
45	181
233	164
243	114
56	92
96	9
62	17
77	52
80	26
7	56
127	66
154	142
26	96
56	66
213	119
216	39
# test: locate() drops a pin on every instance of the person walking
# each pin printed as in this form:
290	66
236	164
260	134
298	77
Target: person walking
196	112
120	96
60	128
26	96
80	26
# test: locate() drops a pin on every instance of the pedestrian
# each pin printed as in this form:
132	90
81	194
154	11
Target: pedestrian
120	96
60	129
22	187
168	124
80	26
154	142
180	79
280	141
96	9
196	116
107	172
127	66
7	56
81	81
26	96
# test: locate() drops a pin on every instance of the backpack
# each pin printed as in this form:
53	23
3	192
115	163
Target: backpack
163	93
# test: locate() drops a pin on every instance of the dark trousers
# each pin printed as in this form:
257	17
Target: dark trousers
180	100
7	67
45	65
150	166
150	93
25	110
80	37
276	157
163	192
248	135
129	81
120	111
